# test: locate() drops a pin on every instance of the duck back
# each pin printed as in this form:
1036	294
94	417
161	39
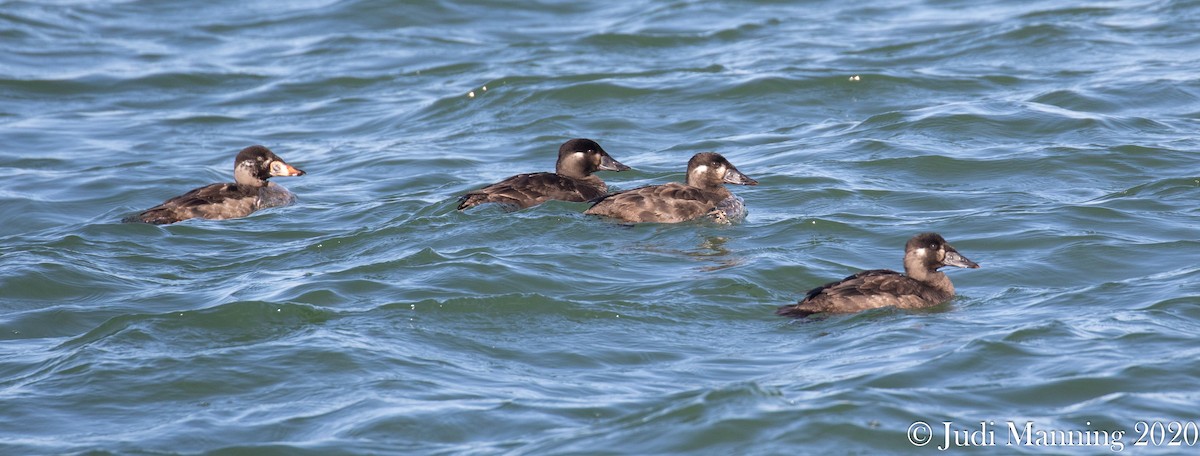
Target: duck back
868	290
526	190
216	201
667	203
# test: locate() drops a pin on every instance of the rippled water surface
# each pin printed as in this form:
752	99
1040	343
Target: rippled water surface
1052	142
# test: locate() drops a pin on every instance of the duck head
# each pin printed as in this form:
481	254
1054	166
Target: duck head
929	251
581	157
255	164
709	169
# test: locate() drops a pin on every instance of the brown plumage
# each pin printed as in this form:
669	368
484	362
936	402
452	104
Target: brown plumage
703	194
921	285
250	192
572	180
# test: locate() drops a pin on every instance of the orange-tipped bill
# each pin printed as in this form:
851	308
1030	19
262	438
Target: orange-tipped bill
279	168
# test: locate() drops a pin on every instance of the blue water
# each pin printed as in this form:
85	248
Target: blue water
1053	143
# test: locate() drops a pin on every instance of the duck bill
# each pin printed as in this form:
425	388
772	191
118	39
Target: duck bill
283	169
958	261
733	176
608	164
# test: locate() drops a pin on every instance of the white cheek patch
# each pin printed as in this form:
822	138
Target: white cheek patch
920	252
701	169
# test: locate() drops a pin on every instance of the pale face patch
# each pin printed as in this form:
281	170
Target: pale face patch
244	173
245	167
574	163
939	254
279	168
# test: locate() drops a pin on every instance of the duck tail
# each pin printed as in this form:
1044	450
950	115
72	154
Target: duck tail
471	200
795	311
154	216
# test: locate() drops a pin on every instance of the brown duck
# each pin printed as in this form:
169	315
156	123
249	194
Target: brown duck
249	192
572	180
704	194
921	285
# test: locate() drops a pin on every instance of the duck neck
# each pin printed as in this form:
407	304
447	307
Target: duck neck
701	178
245	177
590	179
597	183
715	191
571	173
573	165
917	269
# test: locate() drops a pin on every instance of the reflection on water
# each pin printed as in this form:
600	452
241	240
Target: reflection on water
712	249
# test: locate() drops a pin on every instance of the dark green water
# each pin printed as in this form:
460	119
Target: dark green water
1054	143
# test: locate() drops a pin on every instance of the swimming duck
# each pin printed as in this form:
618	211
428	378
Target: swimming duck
572	180
704	194
249	192
921	285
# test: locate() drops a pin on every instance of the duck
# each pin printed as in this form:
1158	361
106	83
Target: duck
572	180
249	192
921	284
702	194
